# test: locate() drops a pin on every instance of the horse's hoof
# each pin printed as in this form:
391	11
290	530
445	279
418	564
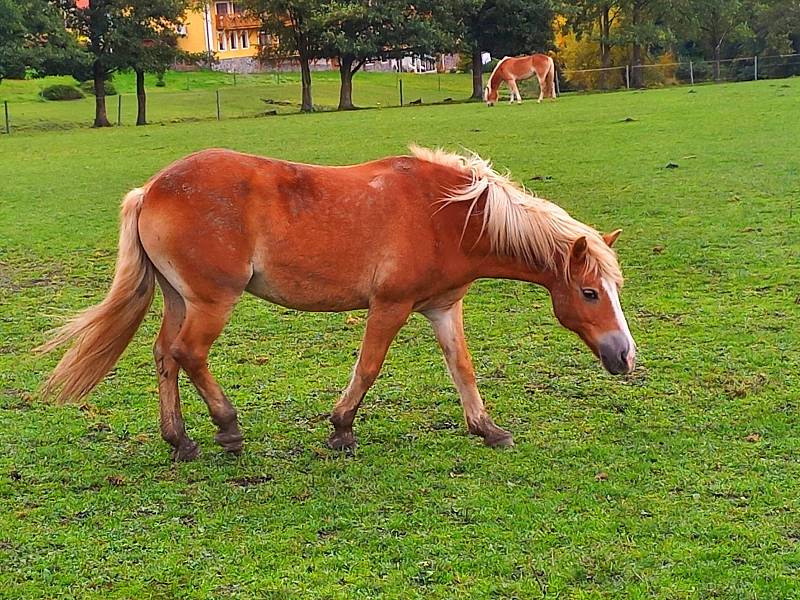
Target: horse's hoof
343	441
499	439
230	442
186	452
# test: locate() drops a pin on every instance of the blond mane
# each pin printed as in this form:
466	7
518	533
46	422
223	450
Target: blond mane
519	224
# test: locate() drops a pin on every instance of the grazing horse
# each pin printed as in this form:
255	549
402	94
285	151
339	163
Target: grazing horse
516	68
394	236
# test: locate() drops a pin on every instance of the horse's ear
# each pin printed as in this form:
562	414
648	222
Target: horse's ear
578	251
610	238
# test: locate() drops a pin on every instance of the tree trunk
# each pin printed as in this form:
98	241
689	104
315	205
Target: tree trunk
100	116
716	61
605	49
637	74
346	87
477	74
141	99
305	76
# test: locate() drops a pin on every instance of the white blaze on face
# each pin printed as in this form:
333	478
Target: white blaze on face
622	324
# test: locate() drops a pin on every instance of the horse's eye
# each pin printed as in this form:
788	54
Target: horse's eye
589	293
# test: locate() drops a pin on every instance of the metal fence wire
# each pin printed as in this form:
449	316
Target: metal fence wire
264	95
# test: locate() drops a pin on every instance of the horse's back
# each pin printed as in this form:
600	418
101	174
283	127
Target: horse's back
306	236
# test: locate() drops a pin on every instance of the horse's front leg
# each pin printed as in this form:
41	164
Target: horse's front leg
448	324
383	323
514	91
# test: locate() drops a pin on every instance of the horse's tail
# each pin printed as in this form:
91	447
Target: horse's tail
550	78
100	334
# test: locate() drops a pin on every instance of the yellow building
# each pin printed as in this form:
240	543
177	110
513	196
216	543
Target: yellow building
224	30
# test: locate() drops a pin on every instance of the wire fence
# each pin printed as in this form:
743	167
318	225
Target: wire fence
688	72
237	96
230	96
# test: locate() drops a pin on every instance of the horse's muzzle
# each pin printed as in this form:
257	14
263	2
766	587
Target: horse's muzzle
617	353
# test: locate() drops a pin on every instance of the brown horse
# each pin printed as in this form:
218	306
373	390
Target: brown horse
516	68
402	234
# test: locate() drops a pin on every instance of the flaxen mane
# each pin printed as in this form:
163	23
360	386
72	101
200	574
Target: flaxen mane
519	224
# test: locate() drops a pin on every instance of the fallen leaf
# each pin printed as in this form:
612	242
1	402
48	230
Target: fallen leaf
753	437
601	476
116	480
671	165
353	320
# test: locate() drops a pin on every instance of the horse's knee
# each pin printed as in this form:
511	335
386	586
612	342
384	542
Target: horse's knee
189	360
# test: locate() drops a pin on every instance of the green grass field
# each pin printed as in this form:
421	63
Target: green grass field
680	481
191	96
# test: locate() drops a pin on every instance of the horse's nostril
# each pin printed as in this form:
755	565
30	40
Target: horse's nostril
624	356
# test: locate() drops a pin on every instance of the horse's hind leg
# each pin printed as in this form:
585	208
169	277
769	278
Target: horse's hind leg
383	323
542	83
448	324
172	427
512	86
204	322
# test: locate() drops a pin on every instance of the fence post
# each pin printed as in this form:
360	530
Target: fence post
691	73
218	116
755	68
627	77
119	109
401	91
558	87
234	79
5	106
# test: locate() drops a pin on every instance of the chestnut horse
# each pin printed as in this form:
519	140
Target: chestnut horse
394	236
516	68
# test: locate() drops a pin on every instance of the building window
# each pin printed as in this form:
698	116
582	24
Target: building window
245	40
221	45
234	40
221	8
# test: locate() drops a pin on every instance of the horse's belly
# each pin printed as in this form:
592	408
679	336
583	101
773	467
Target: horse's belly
307	290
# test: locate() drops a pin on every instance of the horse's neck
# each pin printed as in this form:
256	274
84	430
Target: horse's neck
494	266
495	79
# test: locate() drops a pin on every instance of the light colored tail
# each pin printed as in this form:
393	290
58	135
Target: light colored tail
551	78
101	333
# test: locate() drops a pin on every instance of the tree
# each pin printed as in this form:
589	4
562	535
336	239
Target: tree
643	26
33	39
597	17
296	25
355	31
11	39
97	24
147	40
504	27
715	24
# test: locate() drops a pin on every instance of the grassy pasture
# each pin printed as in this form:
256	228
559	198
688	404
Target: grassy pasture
191	96
677	482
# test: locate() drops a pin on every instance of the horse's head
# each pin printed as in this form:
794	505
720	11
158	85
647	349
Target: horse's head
489	95
588	304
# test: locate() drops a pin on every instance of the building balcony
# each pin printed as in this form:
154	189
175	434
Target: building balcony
237	21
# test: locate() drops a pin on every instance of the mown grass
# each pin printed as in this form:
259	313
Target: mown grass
192	96
677	482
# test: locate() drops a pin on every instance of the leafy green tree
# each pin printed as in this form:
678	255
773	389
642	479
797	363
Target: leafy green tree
147	40
596	17
644	25
97	24
714	25
297	28
355	31
33	39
